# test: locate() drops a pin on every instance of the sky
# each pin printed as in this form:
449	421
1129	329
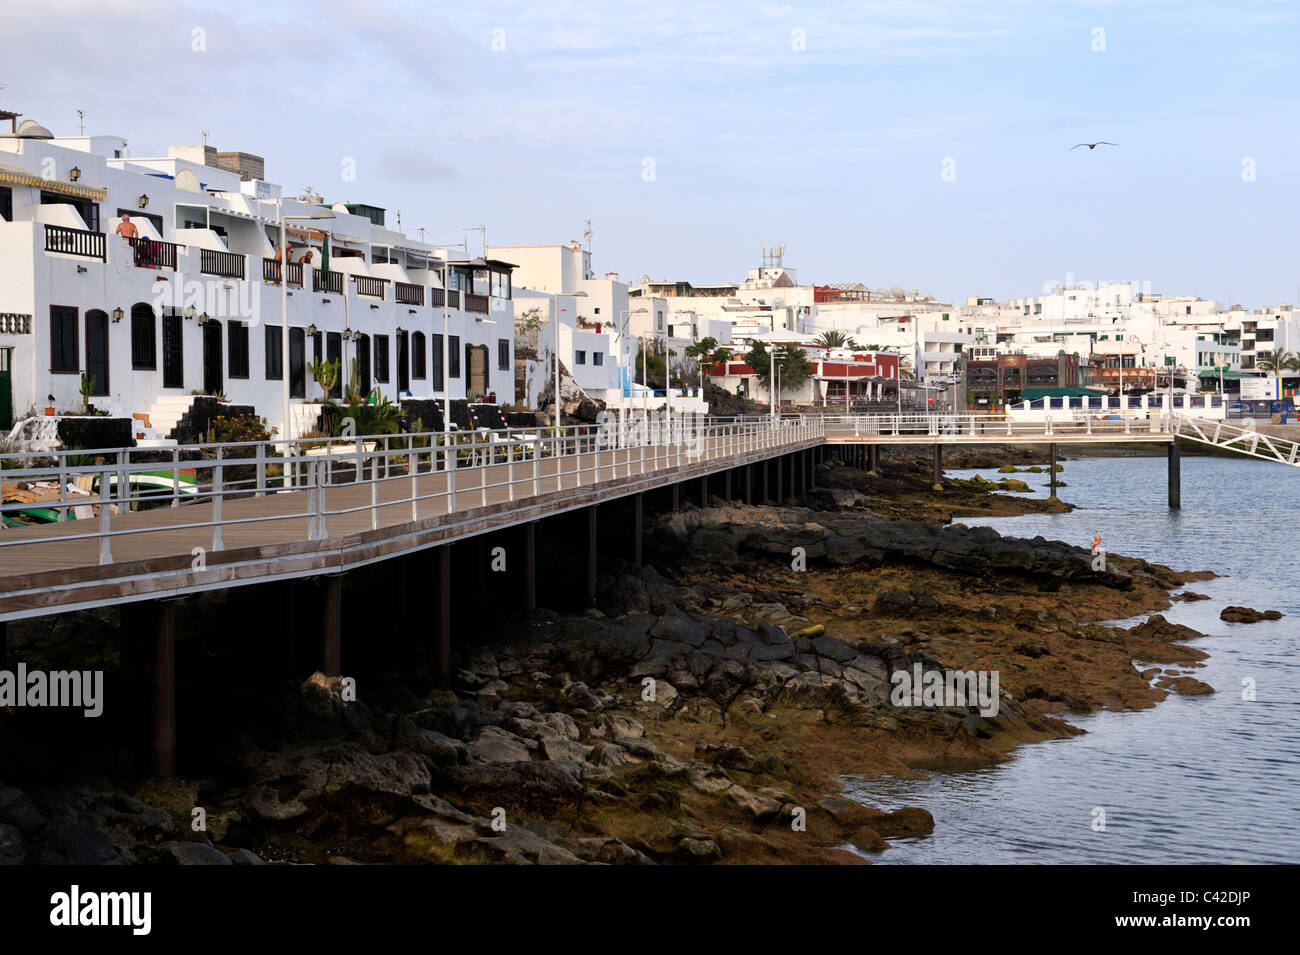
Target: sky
890	143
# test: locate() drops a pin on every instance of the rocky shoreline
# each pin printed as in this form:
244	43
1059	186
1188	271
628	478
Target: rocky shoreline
703	712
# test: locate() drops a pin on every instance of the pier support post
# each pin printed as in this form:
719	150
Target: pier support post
1175	477
780	497
162	741
873	458
765	466
591	556
704	491
812	468
331	650
530	566
636	529
677	497
938	467
4	644
726	485
749	482
444	616
1051	468
793	459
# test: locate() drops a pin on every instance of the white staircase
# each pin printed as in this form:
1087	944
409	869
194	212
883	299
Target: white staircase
167	412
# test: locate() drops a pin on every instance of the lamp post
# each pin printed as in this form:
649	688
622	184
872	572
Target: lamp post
556	298
623	317
284	308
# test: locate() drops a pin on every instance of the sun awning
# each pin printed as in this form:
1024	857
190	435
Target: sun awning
21	177
1231	375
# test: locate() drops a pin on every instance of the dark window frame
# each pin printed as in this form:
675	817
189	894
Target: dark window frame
144	325
272	352
237	357
62	334
379	355
503	354
419	364
453	353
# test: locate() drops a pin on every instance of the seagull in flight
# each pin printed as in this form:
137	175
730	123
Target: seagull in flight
1091	146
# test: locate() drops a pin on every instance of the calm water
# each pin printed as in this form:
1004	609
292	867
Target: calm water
1210	779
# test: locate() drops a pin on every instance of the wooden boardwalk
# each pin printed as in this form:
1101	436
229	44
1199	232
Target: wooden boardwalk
170	551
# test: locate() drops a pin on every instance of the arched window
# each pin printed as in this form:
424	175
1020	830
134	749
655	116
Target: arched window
144	338
417	355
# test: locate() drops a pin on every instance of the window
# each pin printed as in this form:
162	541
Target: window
381	358
598	358
137	214
439	379
274	363
417	355
501	284
580	358
237	349
318	346
89	211
454	370
63	340
297	363
144	343
363	364
503	354
6	204
334	352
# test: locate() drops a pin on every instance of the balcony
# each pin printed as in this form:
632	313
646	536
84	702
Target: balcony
227	264
436	298
369	286
408	294
327	280
271	269
152	254
91	245
476	303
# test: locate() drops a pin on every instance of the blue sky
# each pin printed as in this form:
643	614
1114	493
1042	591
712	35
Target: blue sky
824	126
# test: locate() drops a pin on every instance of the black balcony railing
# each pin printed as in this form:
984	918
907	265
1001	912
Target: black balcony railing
152	254
228	264
327	280
476	303
408	294
436	297
59	238
367	285
271	269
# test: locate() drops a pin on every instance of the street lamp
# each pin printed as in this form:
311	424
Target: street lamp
623	316
284	307
555	296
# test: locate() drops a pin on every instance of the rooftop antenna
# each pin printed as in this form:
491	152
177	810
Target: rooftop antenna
205	137
587	235
81	119
482	230
399	220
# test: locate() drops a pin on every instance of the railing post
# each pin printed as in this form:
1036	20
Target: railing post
312	518
105	552
261	469
415	483
537	466
322	488
123	485
217	494
451	481
374	505
63	485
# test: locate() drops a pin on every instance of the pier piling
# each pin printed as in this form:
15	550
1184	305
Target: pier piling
162	748
1051	484
938	467
780	497
636	528
530	565
1175	477
873	459
331	630
444	616
591	556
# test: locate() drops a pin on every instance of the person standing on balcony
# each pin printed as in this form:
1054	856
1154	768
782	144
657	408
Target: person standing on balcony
126	228
305	258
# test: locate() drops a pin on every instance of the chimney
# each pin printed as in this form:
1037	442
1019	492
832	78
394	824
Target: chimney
611	276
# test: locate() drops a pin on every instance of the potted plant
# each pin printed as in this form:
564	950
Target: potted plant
49	406
86	389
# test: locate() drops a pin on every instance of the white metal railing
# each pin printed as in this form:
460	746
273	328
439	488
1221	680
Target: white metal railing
393	477
1237	438
986	425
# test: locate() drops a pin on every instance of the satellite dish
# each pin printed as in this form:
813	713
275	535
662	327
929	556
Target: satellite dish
340	207
187	181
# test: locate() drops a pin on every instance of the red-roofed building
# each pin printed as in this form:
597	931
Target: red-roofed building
862	376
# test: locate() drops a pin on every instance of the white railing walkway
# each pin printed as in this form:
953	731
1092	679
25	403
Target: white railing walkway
135	506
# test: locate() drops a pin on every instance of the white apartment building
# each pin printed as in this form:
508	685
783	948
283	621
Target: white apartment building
187	298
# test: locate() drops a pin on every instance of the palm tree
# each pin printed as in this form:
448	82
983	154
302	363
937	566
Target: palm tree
1277	361
835	339
707	353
